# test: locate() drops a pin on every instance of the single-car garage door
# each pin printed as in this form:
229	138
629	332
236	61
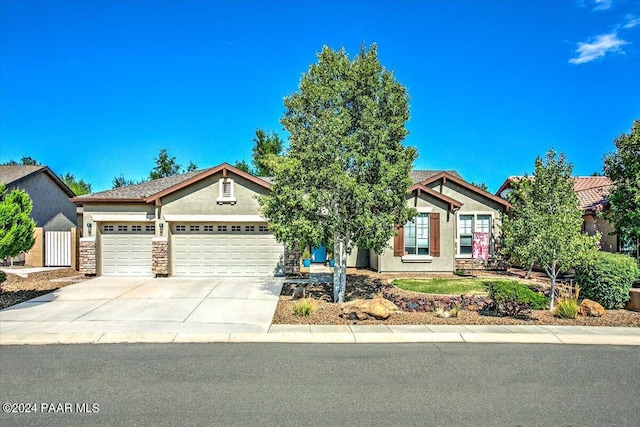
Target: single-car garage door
126	249
225	250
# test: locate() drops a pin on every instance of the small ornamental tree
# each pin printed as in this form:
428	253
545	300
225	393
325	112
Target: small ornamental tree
344	180
16	225
623	168
546	223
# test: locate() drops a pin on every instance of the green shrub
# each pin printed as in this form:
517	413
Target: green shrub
567	309
607	278
514	299
3	276
304	308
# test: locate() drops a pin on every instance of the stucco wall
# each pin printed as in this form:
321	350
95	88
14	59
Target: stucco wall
48	199
387	262
144	210
471	203
201	197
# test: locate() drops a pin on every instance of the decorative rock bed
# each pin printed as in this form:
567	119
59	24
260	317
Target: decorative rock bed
426	303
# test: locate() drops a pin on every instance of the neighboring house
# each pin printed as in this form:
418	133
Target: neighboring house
202	223
440	238
52	210
593	193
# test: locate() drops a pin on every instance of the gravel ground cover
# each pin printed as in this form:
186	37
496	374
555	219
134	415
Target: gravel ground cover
366	284
17	289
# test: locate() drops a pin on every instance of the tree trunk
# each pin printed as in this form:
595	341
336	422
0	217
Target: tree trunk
339	269
526	276
552	275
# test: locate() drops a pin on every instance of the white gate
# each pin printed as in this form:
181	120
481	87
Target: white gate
57	246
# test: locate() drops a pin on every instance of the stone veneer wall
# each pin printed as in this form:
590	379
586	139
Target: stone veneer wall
468	264
87	262
291	262
160	256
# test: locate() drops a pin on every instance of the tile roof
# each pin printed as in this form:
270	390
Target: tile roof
9	174
592	191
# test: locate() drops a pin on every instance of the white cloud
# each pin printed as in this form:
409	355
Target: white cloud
599	47
602	4
632	21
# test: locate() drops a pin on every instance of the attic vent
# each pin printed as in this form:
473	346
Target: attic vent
226	192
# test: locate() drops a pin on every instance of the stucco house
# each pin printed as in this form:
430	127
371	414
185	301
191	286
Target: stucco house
53	212
202	223
593	194
450	210
208	222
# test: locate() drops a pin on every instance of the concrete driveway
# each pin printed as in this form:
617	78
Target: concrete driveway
147	305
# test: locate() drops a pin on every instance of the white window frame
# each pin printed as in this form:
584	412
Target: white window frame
231	198
475	215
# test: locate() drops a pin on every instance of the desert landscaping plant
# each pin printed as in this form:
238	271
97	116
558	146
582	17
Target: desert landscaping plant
567	308
514	299
304	307
607	278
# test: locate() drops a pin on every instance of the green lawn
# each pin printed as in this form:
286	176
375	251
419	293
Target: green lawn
457	286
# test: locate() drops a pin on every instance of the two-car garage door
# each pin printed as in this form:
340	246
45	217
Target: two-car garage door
223	250
195	250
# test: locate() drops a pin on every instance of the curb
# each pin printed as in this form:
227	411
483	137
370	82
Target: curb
323	338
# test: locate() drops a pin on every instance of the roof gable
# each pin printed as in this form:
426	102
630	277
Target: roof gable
14	175
419	188
153	191
446	176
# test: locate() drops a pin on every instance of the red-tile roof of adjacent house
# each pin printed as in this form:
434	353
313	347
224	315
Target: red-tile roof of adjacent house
592	191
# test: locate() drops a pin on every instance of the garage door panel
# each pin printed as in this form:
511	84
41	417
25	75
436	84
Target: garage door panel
223	255
126	255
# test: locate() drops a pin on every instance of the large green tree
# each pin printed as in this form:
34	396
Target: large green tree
344	179
16	225
165	165
546	222
78	186
623	168
265	146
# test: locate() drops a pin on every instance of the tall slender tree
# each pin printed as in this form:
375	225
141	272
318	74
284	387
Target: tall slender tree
165	166
344	179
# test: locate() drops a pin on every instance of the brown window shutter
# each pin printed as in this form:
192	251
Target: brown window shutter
434	234
398	241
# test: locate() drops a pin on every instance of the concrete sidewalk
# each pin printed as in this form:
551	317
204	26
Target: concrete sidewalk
345	334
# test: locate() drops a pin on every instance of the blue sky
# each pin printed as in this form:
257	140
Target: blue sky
96	88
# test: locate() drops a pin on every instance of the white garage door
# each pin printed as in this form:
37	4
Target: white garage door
126	249
225	250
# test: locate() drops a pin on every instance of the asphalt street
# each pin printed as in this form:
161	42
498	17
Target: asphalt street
325	384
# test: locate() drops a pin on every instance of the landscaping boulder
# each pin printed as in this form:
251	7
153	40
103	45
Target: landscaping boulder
363	309
590	308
